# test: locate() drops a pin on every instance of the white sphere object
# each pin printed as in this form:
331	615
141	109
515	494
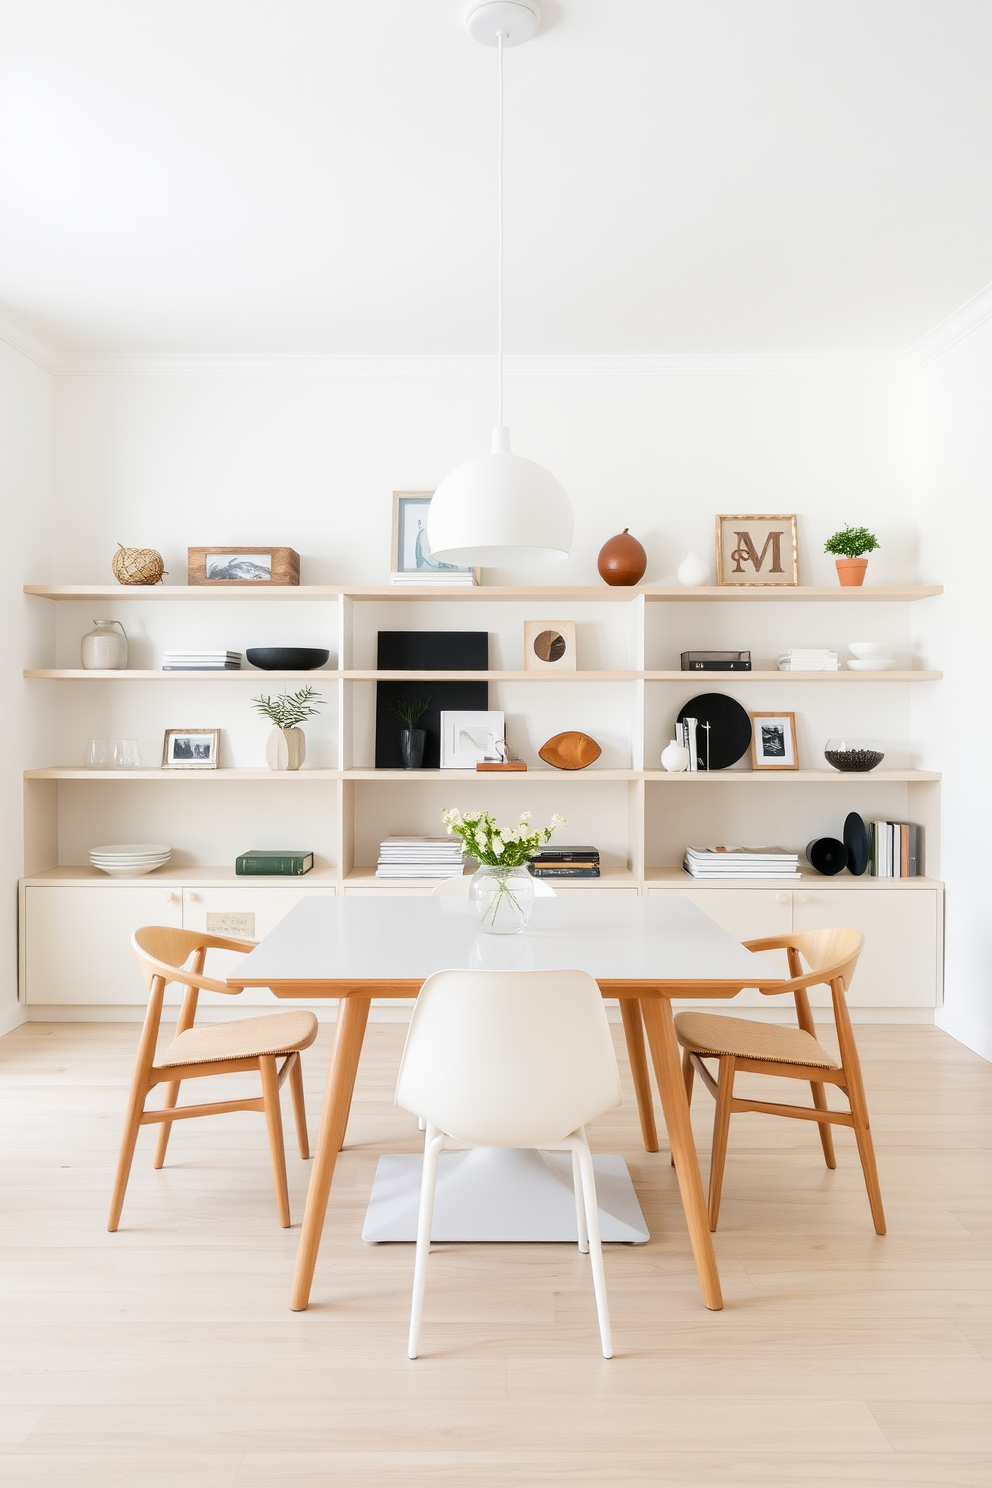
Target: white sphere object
517	20
694	571
675	757
499	510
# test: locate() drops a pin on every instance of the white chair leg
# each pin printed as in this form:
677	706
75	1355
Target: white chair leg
595	1247
432	1148
580	1204
421	1124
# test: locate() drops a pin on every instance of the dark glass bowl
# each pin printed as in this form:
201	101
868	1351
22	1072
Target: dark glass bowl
286	658
854	756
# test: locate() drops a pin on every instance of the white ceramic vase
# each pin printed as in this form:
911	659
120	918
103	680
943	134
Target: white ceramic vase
694	571
104	649
675	757
285	749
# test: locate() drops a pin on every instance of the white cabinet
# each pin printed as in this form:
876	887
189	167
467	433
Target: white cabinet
900	964
243	910
77	940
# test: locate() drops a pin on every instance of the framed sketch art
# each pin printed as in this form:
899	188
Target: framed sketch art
411	553
757	550
773	741
469	739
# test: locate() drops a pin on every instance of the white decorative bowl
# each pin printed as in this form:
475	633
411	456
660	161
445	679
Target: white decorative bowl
872	650
887	665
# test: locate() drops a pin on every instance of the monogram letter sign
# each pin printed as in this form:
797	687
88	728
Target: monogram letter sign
756	550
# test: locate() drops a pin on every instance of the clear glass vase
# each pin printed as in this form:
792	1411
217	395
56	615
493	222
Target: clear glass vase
501	898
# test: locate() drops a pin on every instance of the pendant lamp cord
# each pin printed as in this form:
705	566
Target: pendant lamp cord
499	218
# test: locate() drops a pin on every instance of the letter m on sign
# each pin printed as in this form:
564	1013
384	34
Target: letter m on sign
746	552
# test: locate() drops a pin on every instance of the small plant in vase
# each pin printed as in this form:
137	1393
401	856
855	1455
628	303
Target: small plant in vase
286	746
849	547
502	889
412	739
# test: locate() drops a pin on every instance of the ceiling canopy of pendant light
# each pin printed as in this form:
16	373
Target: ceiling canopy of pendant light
500	510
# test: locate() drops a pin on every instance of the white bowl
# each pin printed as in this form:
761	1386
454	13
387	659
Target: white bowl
130	850
872	666
872	650
133	872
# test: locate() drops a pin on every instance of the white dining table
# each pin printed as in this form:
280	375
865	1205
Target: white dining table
643	951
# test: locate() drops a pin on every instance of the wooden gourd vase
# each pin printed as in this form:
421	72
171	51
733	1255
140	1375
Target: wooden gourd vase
285	749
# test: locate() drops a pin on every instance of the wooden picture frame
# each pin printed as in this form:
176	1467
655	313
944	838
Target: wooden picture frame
773	741
178	740
273	567
549	645
757	550
409	512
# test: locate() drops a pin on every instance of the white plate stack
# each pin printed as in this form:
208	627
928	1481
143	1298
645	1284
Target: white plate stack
129	859
872	656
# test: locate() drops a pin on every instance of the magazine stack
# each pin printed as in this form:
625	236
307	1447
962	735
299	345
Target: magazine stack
740	863
419	857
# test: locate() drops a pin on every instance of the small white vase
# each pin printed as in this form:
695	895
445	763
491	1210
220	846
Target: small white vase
675	757
104	649
285	749
694	571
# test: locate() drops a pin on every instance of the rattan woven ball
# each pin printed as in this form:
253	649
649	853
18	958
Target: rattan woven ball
137	565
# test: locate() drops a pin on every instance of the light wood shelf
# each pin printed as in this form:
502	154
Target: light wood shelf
726	679
591	775
81	772
248	674
608	878
790	777
78	674
222	876
577	594
673	877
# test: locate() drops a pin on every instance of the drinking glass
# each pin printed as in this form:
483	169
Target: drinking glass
96	756
126	754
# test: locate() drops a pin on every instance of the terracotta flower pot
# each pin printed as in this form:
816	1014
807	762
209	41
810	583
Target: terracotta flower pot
851	571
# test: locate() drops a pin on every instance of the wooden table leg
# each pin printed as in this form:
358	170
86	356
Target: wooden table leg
633	1027
353	1014
660	1028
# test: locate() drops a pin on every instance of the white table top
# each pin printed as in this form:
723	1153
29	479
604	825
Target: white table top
393	938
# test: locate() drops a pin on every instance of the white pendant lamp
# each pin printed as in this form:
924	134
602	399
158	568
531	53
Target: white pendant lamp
500	510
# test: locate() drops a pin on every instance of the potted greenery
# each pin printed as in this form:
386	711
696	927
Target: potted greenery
849	547
412	739
286	746
502	889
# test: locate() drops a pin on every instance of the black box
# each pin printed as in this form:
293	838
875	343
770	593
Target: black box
426	651
716	661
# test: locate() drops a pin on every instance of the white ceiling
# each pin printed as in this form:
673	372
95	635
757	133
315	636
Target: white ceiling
317	176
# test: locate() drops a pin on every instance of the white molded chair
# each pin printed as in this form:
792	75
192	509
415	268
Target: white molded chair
457	888
510	1059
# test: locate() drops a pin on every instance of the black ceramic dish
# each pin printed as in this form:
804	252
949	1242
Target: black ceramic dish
286	658
729	731
827	855
856	842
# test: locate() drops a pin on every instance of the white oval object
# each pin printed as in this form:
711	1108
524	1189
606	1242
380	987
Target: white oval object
694	571
675	757
872	650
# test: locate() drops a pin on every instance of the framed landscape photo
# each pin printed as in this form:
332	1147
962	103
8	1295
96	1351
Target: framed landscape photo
757	550
411	553
277	567
191	749
773	741
469	739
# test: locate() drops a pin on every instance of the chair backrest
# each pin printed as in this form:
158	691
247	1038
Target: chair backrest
162	950
830	954
457	888
509	1058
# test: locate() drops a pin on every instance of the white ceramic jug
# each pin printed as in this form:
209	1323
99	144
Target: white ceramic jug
103	649
675	757
694	571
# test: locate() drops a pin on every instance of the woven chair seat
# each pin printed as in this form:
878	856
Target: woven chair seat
275	1033
708	1033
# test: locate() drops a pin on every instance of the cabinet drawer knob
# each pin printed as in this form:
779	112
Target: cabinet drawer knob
805	898
194	898
782	897
169	896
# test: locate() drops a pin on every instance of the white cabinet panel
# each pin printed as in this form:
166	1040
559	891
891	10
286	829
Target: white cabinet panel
747	914
77	941
246	911
900	962
629	890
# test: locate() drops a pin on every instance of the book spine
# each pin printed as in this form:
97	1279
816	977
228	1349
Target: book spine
284	867
565	872
915	855
903	849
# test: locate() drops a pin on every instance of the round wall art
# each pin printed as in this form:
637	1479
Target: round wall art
723	729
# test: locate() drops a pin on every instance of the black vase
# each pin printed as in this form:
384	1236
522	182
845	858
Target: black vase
412	743
827	855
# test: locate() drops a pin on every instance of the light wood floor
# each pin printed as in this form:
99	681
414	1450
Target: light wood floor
166	1355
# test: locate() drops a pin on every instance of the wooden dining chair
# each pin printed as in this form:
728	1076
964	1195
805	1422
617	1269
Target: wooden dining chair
216	1049
740	1044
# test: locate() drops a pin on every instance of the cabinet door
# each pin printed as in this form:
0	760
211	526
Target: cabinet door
746	914
247	911
77	940
900	963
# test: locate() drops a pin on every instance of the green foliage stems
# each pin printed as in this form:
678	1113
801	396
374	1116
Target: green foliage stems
289	711
851	542
411	713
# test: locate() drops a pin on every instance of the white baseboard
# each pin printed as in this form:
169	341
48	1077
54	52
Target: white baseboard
12	1017
969	1034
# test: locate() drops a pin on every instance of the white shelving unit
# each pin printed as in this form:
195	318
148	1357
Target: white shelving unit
626	695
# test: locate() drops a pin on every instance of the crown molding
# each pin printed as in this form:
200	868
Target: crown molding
965	319
23	339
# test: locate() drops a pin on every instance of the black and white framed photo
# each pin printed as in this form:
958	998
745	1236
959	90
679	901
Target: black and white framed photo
191	749
411	552
469	739
773	741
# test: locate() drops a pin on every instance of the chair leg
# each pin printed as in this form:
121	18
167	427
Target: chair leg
866	1150
580	1205
688	1075
595	1244
273	1121
826	1135
721	1132
132	1125
432	1149
299	1104
165	1130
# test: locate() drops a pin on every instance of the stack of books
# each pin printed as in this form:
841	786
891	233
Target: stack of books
201	661
433	578
808	659
565	862
741	862
895	849
420	857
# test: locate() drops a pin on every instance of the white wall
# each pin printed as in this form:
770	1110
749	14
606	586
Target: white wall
953	401
26	478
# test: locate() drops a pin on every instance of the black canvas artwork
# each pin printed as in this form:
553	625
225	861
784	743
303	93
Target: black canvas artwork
421	651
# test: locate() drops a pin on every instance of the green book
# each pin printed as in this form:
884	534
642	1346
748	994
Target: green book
264	860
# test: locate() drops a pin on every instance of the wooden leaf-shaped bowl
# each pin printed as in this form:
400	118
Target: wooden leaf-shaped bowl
570	751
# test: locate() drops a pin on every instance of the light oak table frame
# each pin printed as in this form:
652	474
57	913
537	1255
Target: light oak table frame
346	933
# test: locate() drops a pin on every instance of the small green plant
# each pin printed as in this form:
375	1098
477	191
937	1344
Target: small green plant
289	710
411	713
851	542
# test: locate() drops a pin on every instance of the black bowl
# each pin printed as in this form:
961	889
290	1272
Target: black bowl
286	658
